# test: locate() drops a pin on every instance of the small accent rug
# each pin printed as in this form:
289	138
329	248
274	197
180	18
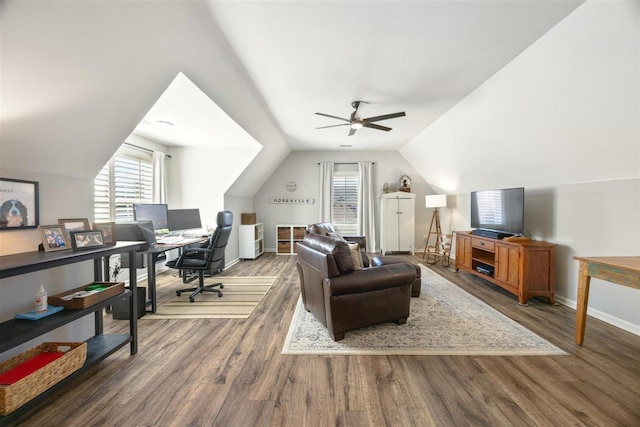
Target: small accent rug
240	296
444	320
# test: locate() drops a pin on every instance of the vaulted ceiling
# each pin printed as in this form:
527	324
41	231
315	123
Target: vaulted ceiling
77	76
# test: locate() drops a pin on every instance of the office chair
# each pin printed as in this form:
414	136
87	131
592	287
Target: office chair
207	258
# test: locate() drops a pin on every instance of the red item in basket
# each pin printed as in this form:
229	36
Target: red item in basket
28	367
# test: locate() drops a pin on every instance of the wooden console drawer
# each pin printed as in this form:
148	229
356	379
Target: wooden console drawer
483	244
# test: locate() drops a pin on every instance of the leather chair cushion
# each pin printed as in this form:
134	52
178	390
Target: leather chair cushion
338	248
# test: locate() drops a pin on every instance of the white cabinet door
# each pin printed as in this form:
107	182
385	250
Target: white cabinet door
397	222
406	223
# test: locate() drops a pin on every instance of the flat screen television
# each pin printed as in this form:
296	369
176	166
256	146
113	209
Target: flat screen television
184	219
154	212
500	211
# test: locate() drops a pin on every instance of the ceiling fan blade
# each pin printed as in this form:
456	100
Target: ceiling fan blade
374	126
332	126
333	117
352	131
384	117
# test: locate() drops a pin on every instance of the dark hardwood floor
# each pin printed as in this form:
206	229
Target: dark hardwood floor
229	372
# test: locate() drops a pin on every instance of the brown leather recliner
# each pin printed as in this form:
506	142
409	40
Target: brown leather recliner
344	299
326	228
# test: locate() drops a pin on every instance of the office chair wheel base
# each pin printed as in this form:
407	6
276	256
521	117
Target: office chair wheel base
191	299
219	294
178	293
221	286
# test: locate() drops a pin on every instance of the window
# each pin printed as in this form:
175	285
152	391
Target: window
344	212
126	179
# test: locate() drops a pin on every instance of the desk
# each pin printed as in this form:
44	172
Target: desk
620	270
152	255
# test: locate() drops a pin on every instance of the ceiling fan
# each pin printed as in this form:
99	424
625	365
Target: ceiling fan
357	120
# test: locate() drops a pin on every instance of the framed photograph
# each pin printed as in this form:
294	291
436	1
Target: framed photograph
19	204
108	231
86	239
74	224
53	238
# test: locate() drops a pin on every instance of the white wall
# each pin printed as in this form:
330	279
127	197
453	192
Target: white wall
302	168
562	121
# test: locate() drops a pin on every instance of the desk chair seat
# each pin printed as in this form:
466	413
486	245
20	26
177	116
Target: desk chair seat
206	258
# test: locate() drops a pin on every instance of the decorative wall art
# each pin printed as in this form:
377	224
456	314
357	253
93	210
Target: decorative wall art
18	204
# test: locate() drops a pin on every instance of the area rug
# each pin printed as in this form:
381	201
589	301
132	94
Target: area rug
240	296
444	320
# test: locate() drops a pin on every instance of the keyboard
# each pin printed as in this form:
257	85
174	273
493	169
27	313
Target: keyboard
170	240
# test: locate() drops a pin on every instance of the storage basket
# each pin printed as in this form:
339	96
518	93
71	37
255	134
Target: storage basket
113	289
248	218
15	395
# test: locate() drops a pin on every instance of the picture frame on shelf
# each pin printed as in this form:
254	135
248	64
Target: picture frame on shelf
86	239
108	232
18	204
74	224
53	237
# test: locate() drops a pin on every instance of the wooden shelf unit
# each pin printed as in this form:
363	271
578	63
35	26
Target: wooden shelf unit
525	269
251	241
15	332
286	237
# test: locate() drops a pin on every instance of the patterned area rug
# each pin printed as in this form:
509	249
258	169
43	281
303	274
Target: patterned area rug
240	296
445	320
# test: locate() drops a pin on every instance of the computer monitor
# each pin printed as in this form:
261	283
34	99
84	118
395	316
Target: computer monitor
184	219
154	212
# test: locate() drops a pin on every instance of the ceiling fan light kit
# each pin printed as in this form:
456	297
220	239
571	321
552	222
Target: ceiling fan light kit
357	121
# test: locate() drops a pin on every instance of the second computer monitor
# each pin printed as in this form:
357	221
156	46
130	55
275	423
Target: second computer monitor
184	219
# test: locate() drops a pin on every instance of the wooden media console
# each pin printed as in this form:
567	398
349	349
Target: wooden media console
524	268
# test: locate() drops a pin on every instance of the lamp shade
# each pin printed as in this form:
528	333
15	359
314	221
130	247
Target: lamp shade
436	201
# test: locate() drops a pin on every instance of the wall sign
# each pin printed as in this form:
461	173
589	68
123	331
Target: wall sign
292	200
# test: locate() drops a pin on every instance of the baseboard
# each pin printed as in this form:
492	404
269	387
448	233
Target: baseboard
231	263
607	318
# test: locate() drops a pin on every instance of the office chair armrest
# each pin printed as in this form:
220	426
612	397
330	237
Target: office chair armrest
189	253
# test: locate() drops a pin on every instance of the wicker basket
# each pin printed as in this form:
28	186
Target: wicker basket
15	395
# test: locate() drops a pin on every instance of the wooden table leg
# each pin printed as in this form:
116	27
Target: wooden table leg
583	298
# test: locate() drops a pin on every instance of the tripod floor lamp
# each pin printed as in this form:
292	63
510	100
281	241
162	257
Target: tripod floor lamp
438	249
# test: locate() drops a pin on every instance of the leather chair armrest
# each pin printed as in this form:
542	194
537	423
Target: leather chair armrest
370	279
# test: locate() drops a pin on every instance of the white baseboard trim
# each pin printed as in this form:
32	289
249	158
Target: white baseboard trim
607	318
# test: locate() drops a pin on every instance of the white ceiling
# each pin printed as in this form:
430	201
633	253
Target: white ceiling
420	57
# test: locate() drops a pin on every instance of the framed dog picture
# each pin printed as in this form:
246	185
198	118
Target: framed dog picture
86	239
18	204
108	231
53	238
74	224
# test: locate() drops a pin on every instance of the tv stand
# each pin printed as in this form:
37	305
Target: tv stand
524	268
491	234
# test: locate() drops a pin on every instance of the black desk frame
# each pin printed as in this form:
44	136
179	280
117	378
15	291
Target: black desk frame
152	254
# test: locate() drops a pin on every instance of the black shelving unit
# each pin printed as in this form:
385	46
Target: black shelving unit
15	332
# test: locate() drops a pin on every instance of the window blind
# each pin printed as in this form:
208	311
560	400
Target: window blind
126	179
345	202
